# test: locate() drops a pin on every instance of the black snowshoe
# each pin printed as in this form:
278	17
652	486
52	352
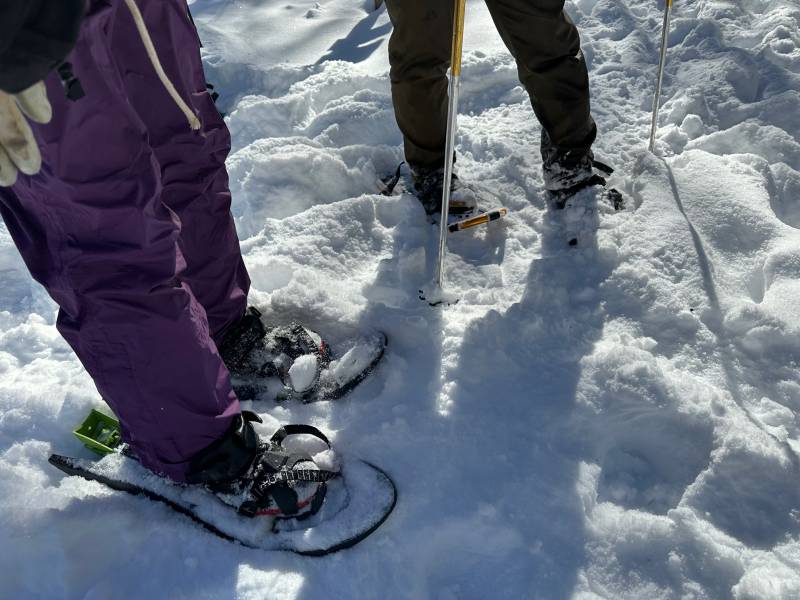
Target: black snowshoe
260	494
291	362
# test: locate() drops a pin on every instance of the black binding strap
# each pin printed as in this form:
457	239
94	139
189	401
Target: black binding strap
390	183
295	341
288	430
277	485
602	167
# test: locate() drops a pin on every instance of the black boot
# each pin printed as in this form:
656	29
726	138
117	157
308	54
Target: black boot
241	340
565	169
568	172
428	187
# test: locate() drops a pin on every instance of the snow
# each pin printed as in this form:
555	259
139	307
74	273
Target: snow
613	420
303	372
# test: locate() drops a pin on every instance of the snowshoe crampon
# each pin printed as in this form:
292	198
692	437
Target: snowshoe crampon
330	509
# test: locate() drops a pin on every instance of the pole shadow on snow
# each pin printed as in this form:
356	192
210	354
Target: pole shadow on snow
358	45
514	525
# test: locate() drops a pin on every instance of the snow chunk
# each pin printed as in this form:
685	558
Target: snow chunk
303	372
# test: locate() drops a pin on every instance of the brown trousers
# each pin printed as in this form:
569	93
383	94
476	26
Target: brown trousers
541	37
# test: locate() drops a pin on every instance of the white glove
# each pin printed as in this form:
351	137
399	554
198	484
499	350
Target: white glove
18	148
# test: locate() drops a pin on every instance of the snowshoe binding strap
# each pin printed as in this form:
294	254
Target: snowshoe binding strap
600	166
276	475
388	184
288	430
613	195
294	340
562	196
278	488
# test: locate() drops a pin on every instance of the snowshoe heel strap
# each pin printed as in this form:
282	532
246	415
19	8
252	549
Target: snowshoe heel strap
390	183
586	183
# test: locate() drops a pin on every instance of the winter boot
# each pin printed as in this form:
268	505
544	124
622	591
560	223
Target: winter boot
568	172
241	342
564	169
428	184
262	478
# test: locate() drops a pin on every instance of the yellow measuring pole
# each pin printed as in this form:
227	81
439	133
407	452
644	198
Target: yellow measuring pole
458	37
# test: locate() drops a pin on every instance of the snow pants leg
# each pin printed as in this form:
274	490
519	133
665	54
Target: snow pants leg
128	227
540	36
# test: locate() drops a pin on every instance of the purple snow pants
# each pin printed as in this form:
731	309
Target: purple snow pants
128	226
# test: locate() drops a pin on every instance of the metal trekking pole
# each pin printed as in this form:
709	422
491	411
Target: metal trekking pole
661	64
452	119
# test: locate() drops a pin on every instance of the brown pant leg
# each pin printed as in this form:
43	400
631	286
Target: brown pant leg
419	54
545	43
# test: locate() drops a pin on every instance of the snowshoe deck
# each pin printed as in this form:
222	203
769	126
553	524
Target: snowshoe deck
356	505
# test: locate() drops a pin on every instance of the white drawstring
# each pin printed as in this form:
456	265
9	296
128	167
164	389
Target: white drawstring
194	122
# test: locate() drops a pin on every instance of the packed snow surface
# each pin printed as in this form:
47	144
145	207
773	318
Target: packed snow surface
616	420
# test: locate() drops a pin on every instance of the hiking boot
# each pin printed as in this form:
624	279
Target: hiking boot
564	170
428	187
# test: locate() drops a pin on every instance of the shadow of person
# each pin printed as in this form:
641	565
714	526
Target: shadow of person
360	43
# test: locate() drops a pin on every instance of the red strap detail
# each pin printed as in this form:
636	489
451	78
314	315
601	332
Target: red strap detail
275	512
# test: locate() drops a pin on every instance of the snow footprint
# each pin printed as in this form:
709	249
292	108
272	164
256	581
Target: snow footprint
751	491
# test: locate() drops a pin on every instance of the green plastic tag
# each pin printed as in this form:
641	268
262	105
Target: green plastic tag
99	432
